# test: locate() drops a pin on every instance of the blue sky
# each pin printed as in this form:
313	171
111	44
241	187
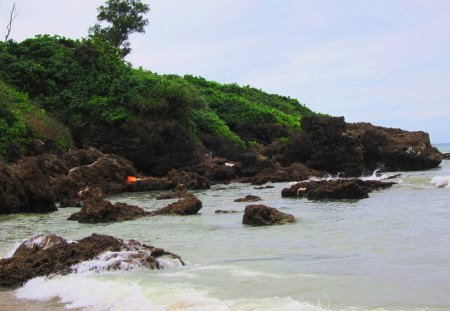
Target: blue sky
384	62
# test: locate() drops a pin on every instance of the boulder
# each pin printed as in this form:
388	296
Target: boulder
262	215
45	255
150	184
221	211
248	198
187	206
446	156
352	189
97	210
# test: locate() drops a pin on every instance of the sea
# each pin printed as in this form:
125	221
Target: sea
388	252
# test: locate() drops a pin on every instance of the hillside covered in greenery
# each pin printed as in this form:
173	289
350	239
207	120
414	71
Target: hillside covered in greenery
86	82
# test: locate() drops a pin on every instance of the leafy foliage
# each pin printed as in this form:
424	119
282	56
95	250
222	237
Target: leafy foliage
78	81
124	17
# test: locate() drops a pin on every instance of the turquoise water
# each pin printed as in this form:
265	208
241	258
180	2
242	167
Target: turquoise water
388	252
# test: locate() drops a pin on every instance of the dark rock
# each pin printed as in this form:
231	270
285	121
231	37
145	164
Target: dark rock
98	210
446	156
45	255
150	184
248	198
277	173
261	215
331	144
190	179
187	206
221	211
88	193
352	189
217	169
69	203
264	187
154	147
176	194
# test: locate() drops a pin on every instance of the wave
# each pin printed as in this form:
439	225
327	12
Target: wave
441	181
84	291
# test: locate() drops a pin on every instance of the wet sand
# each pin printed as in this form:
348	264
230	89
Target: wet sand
9	303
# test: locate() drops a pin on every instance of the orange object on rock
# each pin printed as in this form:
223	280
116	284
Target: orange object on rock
131	179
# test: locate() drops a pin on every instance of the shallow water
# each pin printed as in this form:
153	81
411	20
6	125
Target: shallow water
388	252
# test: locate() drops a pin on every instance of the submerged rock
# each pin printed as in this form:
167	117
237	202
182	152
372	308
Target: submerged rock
97	210
45	255
221	211
187	206
248	198
262	215
353	189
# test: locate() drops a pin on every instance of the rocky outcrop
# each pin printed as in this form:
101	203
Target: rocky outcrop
190	180
150	184
97	210
332	145
248	198
187	206
154	146
34	184
217	169
261	215
50	254
446	156
352	189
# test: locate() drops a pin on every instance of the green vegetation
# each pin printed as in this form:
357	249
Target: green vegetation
79	81
124	18
21	122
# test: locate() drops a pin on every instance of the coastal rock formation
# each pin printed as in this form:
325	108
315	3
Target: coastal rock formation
221	211
34	184
154	146
248	198
50	254
97	210
217	169
352	189
446	156
150	184
187	206
261	215
331	144
190	180
278	173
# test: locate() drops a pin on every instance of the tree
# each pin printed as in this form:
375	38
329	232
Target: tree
12	17
124	18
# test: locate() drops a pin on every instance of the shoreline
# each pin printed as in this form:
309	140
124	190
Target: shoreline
8	302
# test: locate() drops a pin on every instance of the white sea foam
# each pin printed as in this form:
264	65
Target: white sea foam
84	291
13	249
441	181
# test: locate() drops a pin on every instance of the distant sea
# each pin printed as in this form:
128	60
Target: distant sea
445	147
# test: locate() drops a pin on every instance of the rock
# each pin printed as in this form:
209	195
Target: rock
446	156
264	187
190	179
176	194
45	255
331	144
277	173
187	206
150	184
248	198
153	146
97	210
352	189
221	211
261	215
217	169
69	203
90	193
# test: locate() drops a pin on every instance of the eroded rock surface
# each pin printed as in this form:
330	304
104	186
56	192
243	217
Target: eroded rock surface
262	215
352	189
248	198
45	255
187	206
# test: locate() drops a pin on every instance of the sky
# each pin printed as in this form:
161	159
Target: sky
382	61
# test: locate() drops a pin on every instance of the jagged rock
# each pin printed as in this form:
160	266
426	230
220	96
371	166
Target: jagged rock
187	206
49	254
217	169
90	193
176	194
353	189
97	210
277	173
248	198
150	184
331	144
262	215
446	156
221	211
190	179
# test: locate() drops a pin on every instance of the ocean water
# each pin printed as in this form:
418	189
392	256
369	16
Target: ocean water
388	252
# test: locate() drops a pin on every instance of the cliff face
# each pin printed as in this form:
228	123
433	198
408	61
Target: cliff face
333	145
